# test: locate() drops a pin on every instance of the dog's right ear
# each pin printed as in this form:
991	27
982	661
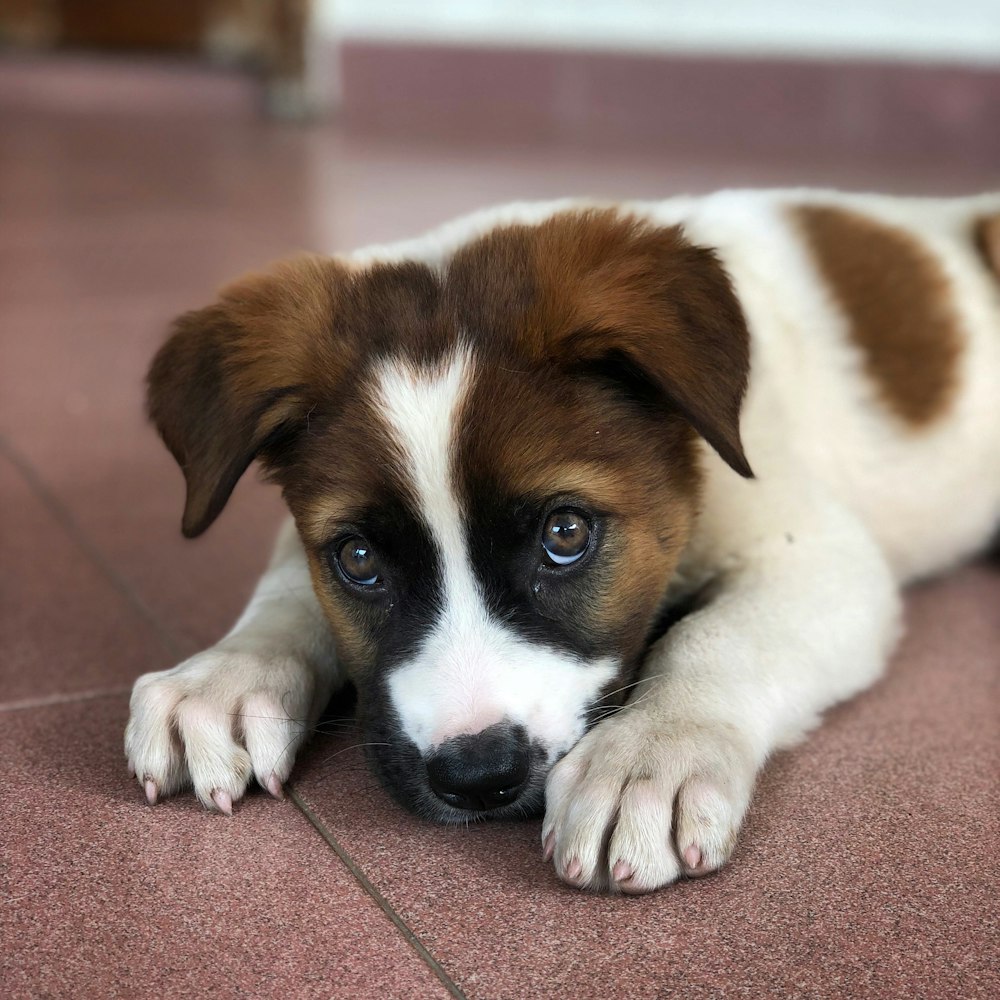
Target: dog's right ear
235	379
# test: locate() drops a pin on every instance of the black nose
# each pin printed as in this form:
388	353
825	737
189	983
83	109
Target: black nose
480	771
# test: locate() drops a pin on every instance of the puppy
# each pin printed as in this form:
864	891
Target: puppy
514	448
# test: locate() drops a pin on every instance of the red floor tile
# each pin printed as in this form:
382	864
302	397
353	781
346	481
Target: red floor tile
82	428
102	896
64	628
868	867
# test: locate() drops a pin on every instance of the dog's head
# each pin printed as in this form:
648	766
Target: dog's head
493	468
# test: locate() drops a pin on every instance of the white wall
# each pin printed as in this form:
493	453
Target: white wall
965	31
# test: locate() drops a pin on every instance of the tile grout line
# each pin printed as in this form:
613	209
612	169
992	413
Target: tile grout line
410	936
64	699
68	523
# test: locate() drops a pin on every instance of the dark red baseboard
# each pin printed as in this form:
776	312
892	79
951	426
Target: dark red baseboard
643	100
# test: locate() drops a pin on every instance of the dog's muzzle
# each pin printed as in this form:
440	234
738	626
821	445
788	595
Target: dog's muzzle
481	771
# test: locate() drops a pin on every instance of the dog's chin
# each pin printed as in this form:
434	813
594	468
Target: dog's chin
402	770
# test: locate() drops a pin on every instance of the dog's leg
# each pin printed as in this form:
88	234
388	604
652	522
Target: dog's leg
804	614
245	706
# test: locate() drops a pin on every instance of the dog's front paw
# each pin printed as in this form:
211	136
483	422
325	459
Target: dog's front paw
636	804
216	720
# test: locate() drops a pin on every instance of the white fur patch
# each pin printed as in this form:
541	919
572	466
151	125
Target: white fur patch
471	671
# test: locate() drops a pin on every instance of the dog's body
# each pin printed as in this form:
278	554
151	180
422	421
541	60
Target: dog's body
487	440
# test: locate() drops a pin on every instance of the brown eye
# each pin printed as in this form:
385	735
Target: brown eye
357	562
565	536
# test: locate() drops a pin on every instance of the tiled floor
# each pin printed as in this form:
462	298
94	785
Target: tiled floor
869	867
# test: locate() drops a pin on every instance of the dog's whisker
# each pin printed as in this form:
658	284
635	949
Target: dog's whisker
616	709
628	687
354	746
269	718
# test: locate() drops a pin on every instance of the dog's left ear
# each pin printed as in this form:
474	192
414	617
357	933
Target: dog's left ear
618	285
594	287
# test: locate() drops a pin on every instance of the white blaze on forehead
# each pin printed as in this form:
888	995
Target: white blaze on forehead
421	406
471	670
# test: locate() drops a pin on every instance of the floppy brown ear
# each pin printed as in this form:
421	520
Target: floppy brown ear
617	284
233	379
593	285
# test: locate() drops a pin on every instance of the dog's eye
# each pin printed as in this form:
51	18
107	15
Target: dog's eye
565	536
357	562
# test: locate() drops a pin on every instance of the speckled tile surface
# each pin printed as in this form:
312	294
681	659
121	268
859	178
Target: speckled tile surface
103	896
64	628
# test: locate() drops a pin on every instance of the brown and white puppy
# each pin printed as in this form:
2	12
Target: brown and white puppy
514	448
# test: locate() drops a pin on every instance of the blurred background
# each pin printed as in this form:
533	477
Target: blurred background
410	111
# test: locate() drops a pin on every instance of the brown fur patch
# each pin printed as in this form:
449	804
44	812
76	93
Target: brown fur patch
232	374
571	313
987	239
332	478
589	287
241	378
543	438
898	303
354	635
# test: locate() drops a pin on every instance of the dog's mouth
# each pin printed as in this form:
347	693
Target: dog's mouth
497	774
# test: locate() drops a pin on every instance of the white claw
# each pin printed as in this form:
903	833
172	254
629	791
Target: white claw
151	792
223	801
